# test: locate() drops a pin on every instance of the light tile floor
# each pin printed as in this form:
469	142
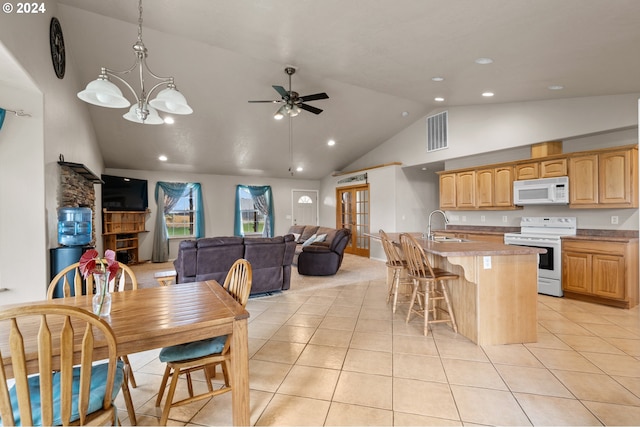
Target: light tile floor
331	352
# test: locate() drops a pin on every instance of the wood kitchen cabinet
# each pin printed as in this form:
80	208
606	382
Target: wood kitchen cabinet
485	184
603	178
527	171
608	179
488	188
503	187
466	189
583	180
553	168
447	191
601	271
541	169
618	178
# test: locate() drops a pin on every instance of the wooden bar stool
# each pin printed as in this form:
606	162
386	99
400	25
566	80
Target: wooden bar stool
397	263
433	279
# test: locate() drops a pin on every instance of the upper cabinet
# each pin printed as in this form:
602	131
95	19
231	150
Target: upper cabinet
541	169
605	178
490	188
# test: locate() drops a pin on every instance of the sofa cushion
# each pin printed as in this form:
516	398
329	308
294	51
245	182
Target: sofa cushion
309	231
216	255
297	229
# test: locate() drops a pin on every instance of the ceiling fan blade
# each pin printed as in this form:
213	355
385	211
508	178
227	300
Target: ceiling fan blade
271	102
282	91
309	108
313	97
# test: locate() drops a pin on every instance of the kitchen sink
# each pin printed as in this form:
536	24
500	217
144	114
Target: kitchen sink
449	239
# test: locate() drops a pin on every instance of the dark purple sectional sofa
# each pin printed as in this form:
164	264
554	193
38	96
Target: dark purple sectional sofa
211	258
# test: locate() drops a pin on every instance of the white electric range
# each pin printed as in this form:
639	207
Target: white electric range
545	233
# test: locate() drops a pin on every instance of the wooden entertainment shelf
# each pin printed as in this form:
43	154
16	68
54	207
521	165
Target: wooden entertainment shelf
120	233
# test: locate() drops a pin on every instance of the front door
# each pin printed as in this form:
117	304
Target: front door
352	212
305	207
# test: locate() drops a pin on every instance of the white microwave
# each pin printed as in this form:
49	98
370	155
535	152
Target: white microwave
544	191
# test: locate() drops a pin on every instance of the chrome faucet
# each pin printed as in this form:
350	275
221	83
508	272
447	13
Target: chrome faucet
446	221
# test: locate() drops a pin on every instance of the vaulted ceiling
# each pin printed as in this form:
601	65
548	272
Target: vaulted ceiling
374	58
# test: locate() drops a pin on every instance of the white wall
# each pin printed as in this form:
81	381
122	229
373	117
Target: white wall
486	128
400	200
218	193
29	150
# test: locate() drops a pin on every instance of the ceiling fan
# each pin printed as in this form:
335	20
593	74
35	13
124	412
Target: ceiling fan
293	103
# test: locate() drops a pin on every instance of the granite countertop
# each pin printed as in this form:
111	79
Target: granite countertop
468	248
581	234
480	229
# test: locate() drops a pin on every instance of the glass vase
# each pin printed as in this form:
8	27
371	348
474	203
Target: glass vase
102	297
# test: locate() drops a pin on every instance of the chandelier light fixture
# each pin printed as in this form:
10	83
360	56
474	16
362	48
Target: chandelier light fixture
104	93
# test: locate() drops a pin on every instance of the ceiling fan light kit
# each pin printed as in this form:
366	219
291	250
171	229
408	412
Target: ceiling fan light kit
104	93
293	103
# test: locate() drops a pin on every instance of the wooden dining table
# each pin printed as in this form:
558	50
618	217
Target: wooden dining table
151	318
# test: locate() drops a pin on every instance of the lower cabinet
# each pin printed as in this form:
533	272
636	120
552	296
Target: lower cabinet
601	271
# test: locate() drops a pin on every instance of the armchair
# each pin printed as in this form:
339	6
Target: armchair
324	258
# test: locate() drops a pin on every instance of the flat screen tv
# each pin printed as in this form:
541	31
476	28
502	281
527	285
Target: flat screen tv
120	193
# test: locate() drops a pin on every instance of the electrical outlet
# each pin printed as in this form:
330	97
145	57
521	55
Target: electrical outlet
486	262
464	218
505	218
482	218
614	219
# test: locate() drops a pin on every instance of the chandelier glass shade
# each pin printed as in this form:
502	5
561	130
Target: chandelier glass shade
104	93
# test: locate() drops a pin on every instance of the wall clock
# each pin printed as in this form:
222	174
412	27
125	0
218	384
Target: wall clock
57	47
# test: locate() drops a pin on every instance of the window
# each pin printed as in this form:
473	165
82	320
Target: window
305	199
252	220
181	218
254	211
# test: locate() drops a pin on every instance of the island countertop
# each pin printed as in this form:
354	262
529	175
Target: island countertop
466	248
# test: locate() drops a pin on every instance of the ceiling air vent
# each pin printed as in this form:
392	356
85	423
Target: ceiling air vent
437	132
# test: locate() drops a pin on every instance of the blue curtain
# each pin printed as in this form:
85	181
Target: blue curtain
263	202
3	112
167	195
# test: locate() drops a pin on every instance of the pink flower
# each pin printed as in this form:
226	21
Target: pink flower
90	263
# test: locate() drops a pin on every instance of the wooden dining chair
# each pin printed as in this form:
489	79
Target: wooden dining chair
205	354
429	284
68	388
125	278
397	263
76	286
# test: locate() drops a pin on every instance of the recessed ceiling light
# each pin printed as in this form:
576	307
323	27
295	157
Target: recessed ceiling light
405	114
438	99
331	143
437	79
299	169
484	61
162	158
555	87
487	94
169	120
424	169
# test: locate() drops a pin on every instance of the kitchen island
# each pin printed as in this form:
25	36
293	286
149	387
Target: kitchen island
495	298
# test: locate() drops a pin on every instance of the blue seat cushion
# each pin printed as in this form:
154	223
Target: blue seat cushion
193	350
96	398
